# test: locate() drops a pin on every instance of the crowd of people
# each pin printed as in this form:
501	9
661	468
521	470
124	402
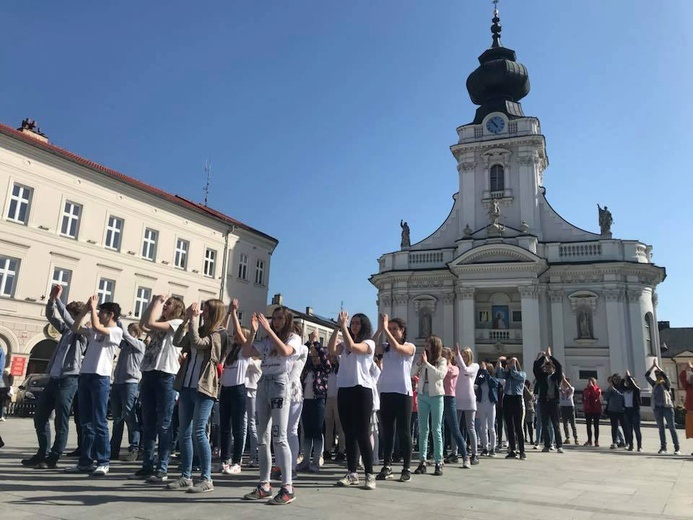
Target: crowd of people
194	380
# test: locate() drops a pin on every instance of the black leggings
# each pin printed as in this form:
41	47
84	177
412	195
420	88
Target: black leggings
395	414
616	419
514	411
592	419
355	405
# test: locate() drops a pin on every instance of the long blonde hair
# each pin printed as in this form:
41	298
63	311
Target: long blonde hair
216	314
470	355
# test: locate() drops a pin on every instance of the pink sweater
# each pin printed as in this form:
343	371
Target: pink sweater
450	381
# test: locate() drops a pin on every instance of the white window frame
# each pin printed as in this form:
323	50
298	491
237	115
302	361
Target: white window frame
9	272
243	261
497	171
143	296
105	292
70	220
180	257
259	272
210	263
22	199
62	277
149	244
114	233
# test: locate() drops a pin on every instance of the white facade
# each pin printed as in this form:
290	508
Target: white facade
504	251
65	219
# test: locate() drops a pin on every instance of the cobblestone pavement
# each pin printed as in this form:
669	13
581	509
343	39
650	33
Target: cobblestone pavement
582	483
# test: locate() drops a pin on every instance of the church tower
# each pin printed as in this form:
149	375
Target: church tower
506	274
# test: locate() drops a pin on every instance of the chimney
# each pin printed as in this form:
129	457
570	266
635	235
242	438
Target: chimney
277	299
663	325
30	128
309	311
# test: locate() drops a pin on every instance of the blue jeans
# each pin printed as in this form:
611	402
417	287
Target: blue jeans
194	410
450	411
158	398
93	408
232	405
661	413
58	395
123	398
313	419
631	421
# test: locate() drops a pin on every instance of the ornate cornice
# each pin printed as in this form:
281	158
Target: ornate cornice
425	302
556	296
449	298
386	300
529	291
400	299
528	158
429	281
583	299
466	166
466	293
634	294
613	294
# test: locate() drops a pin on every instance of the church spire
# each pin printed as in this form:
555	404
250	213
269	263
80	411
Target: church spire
500	82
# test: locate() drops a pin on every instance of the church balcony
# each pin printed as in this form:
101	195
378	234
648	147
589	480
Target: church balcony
416	260
495	335
610	250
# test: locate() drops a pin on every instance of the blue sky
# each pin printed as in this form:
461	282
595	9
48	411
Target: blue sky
327	122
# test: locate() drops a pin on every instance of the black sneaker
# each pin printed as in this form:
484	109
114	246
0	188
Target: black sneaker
282	498
405	476
474	460
439	470
141	474
74	453
32	462
452	459
385	473
327	455
421	469
511	455
523	456
50	463
484	453
340	457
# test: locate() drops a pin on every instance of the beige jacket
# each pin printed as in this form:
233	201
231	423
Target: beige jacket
188	338
430	377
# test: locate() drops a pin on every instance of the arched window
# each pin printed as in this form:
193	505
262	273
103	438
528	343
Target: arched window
649	339
497	178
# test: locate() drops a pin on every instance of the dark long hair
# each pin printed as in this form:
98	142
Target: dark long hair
366	328
402	325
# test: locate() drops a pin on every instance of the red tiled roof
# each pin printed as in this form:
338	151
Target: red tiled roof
175	199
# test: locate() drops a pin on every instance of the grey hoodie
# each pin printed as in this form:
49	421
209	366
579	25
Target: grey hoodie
71	347
129	360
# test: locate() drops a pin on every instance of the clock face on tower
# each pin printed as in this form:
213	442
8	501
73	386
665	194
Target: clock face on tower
495	125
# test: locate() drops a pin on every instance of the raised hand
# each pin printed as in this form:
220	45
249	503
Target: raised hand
195	309
384	320
343	318
457	349
548	352
314	336
234	304
264	322
254	323
92	302
160	298
424	356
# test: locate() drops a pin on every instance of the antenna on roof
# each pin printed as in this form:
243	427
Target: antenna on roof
208	171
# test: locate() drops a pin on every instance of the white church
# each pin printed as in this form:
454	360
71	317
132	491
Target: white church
506	274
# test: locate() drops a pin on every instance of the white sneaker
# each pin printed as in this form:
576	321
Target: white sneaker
370	481
100	471
234	470
2	419
350	479
677	452
225	468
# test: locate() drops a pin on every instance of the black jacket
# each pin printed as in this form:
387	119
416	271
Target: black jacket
542	384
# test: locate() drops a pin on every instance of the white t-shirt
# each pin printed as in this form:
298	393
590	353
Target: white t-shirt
98	358
253	373
235	373
276	363
396	373
308	392
354	368
161	354
192	374
332	384
375	373
464	391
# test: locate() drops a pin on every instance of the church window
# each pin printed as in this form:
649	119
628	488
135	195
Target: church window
649	342
497	178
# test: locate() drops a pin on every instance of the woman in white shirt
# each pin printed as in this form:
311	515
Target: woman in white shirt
465	397
355	394
431	370
296	399
396	393
94	383
278	351
233	397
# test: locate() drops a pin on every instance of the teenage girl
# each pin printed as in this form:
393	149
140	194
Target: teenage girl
278	350
431	369
465	396
355	394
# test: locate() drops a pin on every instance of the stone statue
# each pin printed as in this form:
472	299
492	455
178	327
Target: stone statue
605	221
406	240
585	324
494	212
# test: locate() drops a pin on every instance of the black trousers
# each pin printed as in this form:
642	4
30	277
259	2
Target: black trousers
592	419
514	411
355	406
549	412
395	415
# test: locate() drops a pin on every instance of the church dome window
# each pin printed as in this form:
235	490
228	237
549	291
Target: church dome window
497	179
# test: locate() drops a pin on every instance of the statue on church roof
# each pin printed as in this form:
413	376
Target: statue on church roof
605	221
406	240
494	212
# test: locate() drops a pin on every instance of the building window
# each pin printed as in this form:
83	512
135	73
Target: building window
586	374
19	204
180	259
70	223
144	294
497	178
62	277
259	272
243	266
210	262
649	341
113	233
240	317
517	316
106	290
149	244
9	267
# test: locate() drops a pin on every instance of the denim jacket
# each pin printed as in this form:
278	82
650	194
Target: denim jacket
483	377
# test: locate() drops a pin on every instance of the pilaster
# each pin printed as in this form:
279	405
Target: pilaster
531	328
557	326
465	317
616	329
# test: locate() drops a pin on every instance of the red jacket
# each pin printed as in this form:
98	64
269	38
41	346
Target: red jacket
591	399
688	387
